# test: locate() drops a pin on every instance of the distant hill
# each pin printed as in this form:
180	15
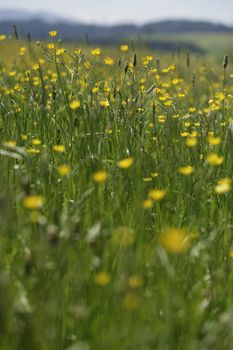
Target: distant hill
20	15
184	26
38	25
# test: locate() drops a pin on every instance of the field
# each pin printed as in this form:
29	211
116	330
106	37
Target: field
217	44
116	216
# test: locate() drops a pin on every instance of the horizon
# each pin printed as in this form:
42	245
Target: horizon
133	11
57	17
53	16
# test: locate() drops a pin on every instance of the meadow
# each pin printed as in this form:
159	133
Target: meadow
116	217
215	44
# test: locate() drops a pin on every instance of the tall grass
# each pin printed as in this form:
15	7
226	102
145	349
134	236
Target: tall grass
116	202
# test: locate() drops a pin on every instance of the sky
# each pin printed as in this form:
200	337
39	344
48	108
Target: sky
122	11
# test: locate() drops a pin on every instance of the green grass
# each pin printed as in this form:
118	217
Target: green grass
89	264
216	44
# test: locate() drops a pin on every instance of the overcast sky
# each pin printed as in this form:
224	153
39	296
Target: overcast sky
137	11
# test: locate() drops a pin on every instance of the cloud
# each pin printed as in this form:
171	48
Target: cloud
108	11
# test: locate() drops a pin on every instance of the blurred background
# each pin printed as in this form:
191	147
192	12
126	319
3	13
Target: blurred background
199	26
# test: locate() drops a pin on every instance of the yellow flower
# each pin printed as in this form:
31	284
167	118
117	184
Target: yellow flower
230	254
214	159
162	118
95	89
77	51
33	202
181	95
34	216
50	46
124	48
75	104
12	73
96	52
64	170
53	33
135	282
2	37
157	195
109	61
150	58
220	96
171	67
104	103
130	301
125	163
191	141
22	50
60	51
108	131
36	142
175	240
147	179
214	141
154	174
35	66
9	143
123	236
24	137
33	150
147	204
102	279
192	109
186	170
184	134
223	186
100	176
59	148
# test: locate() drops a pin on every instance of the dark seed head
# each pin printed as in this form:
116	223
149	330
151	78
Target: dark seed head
135	60
15	32
126	67
225	62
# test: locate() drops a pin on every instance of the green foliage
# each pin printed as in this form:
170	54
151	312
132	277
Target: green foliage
116	199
